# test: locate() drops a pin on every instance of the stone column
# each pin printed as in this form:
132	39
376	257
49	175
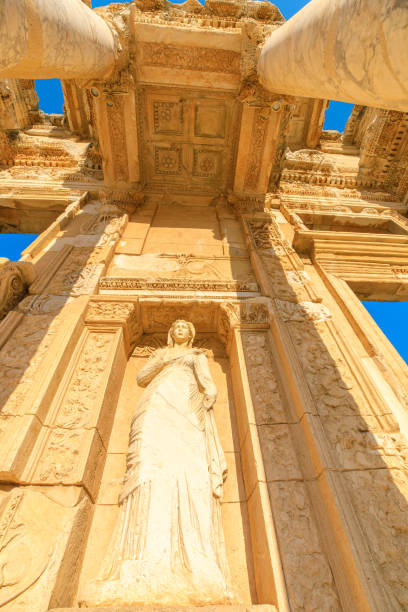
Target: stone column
47	39
348	50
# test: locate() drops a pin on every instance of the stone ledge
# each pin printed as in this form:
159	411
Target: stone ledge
233	608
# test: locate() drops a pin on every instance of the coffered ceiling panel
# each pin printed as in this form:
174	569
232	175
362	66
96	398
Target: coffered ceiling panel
187	139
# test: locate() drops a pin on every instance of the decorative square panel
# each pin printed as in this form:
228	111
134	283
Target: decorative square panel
167	160
168	117
207	163
209	121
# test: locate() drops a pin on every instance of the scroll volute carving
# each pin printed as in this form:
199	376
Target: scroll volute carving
15	278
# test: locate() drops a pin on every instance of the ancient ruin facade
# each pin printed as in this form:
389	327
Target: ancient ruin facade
182	186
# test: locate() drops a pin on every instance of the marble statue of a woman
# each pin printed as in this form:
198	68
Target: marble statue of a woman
168	545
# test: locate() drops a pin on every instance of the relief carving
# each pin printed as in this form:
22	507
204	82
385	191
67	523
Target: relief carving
109	311
158	317
168	117
298	312
259	129
176	284
79	400
262	379
109	224
37	534
308	575
206	163
197	58
117	134
15	279
167	160
79	273
329	379
384	524
266	236
254	313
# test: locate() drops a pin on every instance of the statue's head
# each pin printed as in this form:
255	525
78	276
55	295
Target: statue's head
180	332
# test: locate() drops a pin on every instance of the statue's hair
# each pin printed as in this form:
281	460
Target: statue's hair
170	340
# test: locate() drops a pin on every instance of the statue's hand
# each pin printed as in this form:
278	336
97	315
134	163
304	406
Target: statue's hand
208	401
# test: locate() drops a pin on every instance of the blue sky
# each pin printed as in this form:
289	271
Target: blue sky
389	316
51	98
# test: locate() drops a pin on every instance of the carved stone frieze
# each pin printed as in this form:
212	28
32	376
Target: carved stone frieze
177	284
216	15
109	311
317	190
197	58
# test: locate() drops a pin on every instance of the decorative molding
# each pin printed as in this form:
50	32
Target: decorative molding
259	129
108	311
117	133
176	284
149	343
192	58
15	279
104	312
250	314
167	160
167	117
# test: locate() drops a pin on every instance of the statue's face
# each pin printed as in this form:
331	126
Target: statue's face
181	332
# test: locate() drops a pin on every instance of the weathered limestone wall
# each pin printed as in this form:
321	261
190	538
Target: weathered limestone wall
341	50
52	450
346	425
311	409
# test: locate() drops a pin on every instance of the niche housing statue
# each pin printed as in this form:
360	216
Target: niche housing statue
168	545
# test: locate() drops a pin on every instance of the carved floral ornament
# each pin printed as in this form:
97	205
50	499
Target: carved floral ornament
248	314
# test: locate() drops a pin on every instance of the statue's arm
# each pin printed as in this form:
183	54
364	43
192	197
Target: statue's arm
205	380
152	367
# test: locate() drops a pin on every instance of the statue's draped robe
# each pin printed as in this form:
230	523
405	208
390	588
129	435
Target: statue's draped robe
168	543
